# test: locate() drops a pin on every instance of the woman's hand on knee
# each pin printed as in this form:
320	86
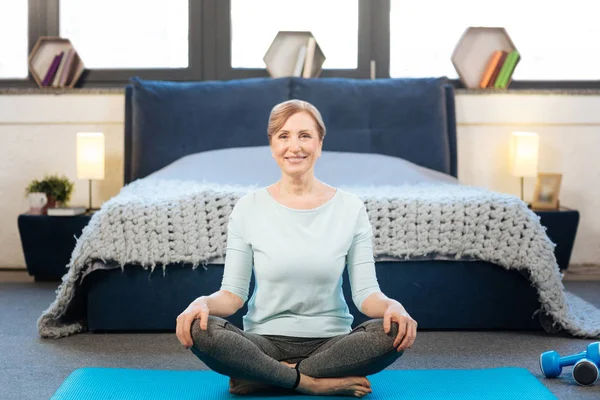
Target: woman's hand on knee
198	309
407	327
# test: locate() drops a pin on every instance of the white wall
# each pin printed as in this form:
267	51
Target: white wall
37	136
569	129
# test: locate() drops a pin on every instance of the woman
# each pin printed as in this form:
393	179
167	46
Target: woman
299	234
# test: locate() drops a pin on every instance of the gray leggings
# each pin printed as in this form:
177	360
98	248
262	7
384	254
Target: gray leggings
228	350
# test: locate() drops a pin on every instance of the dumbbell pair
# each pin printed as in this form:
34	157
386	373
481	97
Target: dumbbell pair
585	370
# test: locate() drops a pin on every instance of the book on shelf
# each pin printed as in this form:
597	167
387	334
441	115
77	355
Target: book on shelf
61	65
66	211
510	75
62	70
507	69
51	72
299	61
59	79
72	69
310	57
497	69
490	68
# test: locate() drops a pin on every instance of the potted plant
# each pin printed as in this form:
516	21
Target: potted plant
58	189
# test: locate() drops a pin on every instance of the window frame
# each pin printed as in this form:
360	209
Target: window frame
44	19
223	46
523	85
192	72
210	50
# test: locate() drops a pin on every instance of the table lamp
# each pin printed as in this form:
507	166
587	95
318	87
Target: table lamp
90	158
524	149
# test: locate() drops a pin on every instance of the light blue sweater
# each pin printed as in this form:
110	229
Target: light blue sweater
298	258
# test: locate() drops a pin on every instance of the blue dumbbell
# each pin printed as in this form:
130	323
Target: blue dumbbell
585	371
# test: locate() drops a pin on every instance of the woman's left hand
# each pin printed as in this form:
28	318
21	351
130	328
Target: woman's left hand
407	327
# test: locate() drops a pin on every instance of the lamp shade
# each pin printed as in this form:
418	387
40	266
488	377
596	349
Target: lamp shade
90	155
524	150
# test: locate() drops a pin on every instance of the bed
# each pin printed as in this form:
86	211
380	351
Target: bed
384	133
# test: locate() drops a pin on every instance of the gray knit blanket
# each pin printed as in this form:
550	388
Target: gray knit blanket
156	222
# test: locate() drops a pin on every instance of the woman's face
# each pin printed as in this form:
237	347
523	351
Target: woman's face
296	146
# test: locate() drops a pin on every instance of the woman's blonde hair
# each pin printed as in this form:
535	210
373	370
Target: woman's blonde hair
282	111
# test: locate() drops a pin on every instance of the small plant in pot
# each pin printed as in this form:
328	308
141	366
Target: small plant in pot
58	189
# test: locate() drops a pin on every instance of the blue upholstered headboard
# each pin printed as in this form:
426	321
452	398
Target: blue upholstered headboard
409	118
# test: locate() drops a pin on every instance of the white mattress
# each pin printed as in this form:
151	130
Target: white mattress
256	166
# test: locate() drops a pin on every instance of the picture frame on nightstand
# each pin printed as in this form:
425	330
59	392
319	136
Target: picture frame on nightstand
547	189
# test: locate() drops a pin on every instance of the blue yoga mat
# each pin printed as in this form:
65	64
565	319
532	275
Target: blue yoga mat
136	384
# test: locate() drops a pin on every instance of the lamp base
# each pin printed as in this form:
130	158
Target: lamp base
90	195
522	179
90	209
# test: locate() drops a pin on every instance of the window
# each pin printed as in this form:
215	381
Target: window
556	42
334	23
188	40
126	34
14	52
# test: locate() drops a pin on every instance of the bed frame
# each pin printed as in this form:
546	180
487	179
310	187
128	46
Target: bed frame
409	118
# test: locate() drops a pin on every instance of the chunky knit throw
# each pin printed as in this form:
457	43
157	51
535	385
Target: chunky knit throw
156	222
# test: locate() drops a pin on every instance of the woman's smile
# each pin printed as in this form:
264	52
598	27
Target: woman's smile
295	160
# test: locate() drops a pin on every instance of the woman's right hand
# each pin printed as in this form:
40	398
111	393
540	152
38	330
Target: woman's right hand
198	309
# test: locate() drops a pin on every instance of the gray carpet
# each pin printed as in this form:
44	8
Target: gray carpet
33	368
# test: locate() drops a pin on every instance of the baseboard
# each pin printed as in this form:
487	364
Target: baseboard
583	272
15	275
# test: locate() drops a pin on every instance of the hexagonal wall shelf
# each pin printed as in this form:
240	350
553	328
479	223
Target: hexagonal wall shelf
54	63
474	49
294	54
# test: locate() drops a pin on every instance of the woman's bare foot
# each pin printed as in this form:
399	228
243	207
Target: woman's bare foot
242	386
354	386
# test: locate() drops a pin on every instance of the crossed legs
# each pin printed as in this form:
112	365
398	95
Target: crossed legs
366	350
230	351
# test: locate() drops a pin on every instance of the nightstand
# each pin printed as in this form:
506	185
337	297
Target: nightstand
48	243
561	228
